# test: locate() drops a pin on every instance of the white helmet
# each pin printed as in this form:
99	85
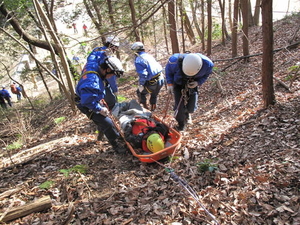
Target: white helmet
137	46
113	40
191	64
115	65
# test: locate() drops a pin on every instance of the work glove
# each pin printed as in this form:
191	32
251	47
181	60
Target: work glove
192	84
141	88
104	112
170	89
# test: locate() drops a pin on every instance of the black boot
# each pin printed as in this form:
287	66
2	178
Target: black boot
119	145
180	126
145	105
153	107
100	136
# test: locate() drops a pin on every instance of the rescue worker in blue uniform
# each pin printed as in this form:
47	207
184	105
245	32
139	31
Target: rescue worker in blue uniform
184	74
90	92
151	78
111	46
6	95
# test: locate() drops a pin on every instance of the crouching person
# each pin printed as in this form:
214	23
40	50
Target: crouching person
90	92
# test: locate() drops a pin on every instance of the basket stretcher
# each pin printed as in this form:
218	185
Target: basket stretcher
173	144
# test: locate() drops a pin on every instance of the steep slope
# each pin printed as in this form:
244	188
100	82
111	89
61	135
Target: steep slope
256	151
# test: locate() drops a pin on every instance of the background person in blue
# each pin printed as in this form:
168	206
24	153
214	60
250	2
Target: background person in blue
151	78
184	73
6	95
91	91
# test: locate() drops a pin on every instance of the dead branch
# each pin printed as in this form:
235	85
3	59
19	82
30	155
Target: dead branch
282	83
71	210
24	210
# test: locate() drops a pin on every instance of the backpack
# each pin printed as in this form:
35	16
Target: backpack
13	89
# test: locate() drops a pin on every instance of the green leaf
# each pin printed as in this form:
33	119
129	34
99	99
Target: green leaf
47	184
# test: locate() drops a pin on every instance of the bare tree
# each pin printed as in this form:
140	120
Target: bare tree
234	28
188	26
134	21
203	25
244	6
195	20
267	64
173	29
165	29
256	12
209	27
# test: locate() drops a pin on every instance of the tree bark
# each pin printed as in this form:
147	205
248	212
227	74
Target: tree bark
209	27
234	28
188	26
256	12
134	21
203	25
244	6
195	20
267	63
173	29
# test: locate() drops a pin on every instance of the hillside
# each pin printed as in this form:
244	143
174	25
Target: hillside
256	151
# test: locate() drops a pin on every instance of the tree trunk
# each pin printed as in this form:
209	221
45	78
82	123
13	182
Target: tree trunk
97	21
222	7
173	29
195	20
203	25
165	29
70	92
256	12
234	28
229	14
250	17
182	25
244	5
134	21
188	27
267	63
209	27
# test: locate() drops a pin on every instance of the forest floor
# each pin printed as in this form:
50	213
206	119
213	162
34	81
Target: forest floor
254	151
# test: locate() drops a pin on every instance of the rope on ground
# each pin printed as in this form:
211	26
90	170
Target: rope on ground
189	189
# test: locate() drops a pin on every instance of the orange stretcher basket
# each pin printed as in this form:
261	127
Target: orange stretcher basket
173	145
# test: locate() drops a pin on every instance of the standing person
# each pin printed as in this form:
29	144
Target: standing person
16	90
74	28
2	101
6	95
85	30
150	74
184	73
90	92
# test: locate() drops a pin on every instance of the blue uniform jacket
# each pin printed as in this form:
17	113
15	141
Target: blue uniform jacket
90	87
146	67
5	93
175	75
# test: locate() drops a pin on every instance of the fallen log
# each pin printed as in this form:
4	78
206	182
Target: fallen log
24	210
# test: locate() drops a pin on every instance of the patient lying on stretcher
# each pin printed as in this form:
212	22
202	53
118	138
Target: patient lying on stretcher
140	130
